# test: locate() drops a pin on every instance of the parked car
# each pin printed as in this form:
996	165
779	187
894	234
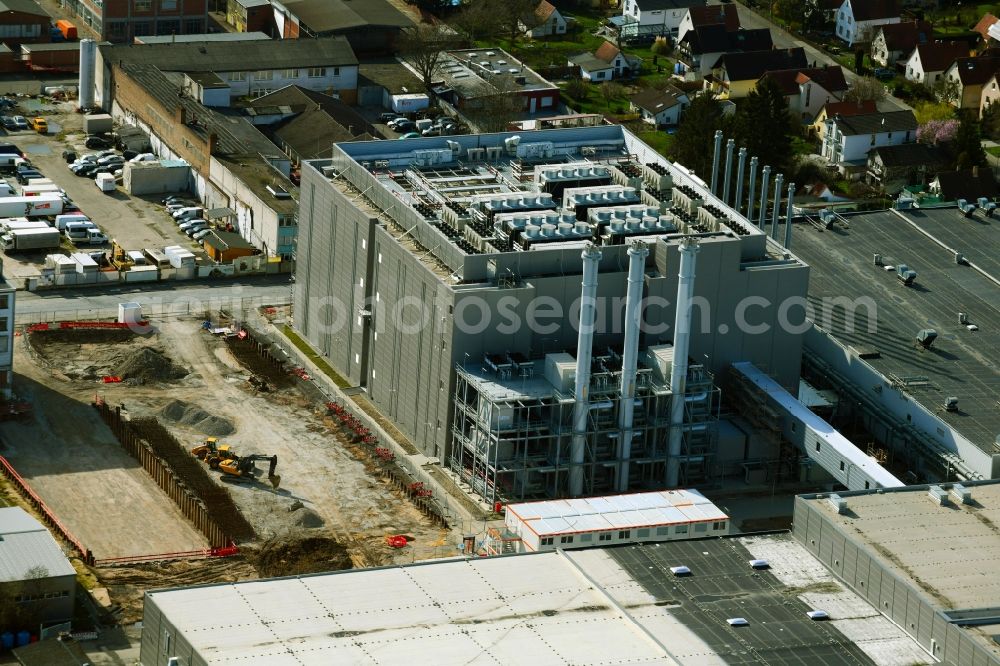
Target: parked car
198	235
431	131
174	198
189	211
20	123
884	73
400	122
40	125
97	142
86	170
24	176
142	157
411	135
389	116
8	123
193	226
111	159
178	205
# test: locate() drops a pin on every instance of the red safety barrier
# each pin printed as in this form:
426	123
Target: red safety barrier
111	379
396	541
99	324
38	327
227	551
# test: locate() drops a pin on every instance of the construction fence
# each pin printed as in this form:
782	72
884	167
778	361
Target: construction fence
237	307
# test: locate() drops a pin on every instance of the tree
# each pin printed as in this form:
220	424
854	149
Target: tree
424	46
936	132
865	89
968	144
475	21
511	16
692	144
792	12
578	89
611	91
763	125
928	111
946	90
660	47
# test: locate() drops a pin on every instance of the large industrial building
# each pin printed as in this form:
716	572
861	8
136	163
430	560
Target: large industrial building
916	360
508	301
618	605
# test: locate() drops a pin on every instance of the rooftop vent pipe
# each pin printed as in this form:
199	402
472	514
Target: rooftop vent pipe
584	347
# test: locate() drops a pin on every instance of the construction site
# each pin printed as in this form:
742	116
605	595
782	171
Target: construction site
181	451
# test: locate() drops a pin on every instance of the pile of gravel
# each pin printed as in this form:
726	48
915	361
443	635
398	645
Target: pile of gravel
193	416
148	365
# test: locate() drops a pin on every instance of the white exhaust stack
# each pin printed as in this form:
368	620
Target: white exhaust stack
637	253
584	348
682	342
88	57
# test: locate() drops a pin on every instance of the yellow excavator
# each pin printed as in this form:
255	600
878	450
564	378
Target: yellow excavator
212	452
241	468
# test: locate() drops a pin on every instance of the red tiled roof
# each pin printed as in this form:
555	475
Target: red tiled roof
831	78
984	25
710	15
544	10
607	52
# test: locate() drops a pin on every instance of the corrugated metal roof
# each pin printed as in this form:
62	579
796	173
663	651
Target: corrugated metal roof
613	512
24	544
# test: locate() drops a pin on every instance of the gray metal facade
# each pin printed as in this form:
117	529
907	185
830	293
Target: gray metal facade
361	247
867	574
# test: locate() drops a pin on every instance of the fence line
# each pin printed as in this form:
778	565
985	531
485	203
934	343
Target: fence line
191	506
154	311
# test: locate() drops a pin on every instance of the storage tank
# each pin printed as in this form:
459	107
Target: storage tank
88	58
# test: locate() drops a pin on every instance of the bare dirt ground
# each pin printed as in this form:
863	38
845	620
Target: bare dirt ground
329	512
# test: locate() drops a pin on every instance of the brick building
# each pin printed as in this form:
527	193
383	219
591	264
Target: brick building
122	20
23	21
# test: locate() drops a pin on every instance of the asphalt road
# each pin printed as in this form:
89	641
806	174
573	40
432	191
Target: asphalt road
783	39
156	298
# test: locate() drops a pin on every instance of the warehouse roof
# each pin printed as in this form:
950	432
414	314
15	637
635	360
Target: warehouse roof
210	37
328	16
961	363
26	544
587	514
51	46
591	606
22	7
234	56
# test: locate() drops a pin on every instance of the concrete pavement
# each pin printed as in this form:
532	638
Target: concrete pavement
156	298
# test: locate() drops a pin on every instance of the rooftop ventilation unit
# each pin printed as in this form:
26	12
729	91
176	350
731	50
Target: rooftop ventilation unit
737	622
827	217
987	206
494	153
680	571
951	404
837	503
475	154
961	494
278	192
966	208
818	615
937	495
926	337
905	274
759	564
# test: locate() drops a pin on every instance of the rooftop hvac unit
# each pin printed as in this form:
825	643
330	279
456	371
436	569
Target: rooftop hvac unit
966	208
837	503
759	564
877	259
963	318
817	615
588	151
926	337
827	217
494	153
680	570
987	206
904	203
454	146
905	274
475	154
951	404
937	495
329	171
510	143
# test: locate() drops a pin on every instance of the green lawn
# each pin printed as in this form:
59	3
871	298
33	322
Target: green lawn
994	151
658	140
320	362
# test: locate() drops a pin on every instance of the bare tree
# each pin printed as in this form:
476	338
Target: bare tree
865	89
513	16
497	102
424	46
475	21
611	91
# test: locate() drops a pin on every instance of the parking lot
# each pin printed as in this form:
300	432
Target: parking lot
135	222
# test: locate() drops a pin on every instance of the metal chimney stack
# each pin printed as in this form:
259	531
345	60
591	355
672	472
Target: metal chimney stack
729	170
637	253
765	177
751	204
715	161
778	180
788	220
682	342
584	348
741	168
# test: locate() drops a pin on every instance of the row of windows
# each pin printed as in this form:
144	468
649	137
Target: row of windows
28	598
640	533
268	74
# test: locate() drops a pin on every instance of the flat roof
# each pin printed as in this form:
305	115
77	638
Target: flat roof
467	70
25	544
960	363
591	606
592	514
206	37
391	75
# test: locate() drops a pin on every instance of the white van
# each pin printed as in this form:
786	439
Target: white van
137	257
88	236
63	220
76	228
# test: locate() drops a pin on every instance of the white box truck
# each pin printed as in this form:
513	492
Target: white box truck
33	190
63	220
41	206
23	240
105	182
14	225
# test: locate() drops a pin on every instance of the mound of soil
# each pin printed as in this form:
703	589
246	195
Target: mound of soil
307	518
184	413
296	553
148	365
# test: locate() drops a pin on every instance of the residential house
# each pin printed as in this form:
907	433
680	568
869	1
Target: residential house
326	65
990	93
655	17
735	75
894	167
928	62
123	21
545	21
809	90
969	184
468	75
372	27
251	16
23	21
845	109
696	17
857	19
701	47
984	28
659	107
896	41
305	124
604	64
34	572
966	77
847	141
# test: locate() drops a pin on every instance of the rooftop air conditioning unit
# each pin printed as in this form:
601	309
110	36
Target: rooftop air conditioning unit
961	494
937	495
837	503
926	337
951	404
